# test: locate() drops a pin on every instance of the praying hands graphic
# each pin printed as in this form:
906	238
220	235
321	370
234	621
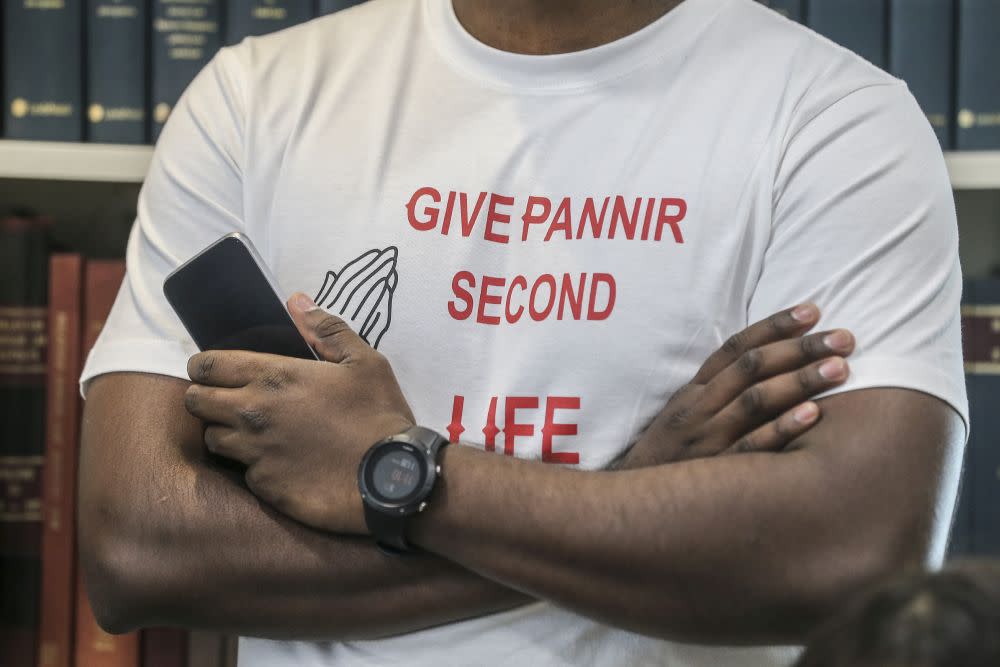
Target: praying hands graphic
361	293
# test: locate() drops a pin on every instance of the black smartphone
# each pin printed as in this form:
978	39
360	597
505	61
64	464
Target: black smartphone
228	300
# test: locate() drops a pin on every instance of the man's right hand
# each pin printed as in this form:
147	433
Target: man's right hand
751	395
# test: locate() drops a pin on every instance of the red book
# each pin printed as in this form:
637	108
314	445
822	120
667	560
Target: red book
94	646
24	271
62	420
164	647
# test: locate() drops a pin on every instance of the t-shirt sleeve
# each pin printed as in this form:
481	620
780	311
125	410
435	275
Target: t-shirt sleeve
864	225
192	195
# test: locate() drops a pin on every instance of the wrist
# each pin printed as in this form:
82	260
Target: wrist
396	480
426	527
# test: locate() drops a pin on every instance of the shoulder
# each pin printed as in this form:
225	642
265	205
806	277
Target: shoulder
799	73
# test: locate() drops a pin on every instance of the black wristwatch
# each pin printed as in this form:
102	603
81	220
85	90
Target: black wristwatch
395	478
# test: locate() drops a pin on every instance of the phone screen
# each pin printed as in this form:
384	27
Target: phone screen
226	303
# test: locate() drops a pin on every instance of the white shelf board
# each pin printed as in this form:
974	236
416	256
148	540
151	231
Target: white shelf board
969	170
64	161
974	170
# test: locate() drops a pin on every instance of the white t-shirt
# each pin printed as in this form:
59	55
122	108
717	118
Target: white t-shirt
546	247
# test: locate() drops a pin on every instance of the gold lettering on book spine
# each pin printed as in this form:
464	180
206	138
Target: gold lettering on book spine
981	332
184	25
45	4
23	340
116	11
20	488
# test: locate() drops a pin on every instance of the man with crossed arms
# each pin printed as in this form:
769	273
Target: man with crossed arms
638	474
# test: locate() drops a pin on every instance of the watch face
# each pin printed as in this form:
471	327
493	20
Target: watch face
396	473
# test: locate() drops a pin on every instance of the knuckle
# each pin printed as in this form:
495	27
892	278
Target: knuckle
690	442
744	444
206	365
776	322
752	401
750	362
273	379
254	419
811	346
330	327
781	429
380	361
200	366
807	382
736	343
679	417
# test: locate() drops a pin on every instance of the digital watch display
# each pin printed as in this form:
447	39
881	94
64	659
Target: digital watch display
395	478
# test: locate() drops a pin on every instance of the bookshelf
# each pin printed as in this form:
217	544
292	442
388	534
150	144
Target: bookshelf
114	163
974	170
58	161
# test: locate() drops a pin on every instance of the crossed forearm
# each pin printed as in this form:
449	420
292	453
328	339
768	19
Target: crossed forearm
237	566
734	549
182	542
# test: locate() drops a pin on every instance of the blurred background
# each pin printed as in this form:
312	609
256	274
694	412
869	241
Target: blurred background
87	85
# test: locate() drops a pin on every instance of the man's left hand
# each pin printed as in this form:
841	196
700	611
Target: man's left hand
301	426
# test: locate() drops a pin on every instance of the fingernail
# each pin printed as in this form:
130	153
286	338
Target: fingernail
805	413
840	340
804	312
833	369
304	303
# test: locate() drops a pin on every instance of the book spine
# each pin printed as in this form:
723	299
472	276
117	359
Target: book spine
165	647
23	343
859	25
981	325
331	6
921	47
978	117
792	9
186	34
205	649
93	645
43	74
116	71
245	18
55	630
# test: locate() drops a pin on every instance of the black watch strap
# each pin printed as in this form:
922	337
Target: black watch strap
390	530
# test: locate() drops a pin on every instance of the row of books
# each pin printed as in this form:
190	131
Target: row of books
947	51
125	61
52	308
977	523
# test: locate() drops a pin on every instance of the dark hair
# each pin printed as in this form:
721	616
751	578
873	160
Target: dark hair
949	618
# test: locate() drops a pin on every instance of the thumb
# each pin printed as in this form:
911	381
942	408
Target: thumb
329	335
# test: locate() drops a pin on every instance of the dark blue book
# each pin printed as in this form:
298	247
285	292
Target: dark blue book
859	25
186	34
43	70
792	9
259	17
978	118
921	48
331	6
981	327
116	71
